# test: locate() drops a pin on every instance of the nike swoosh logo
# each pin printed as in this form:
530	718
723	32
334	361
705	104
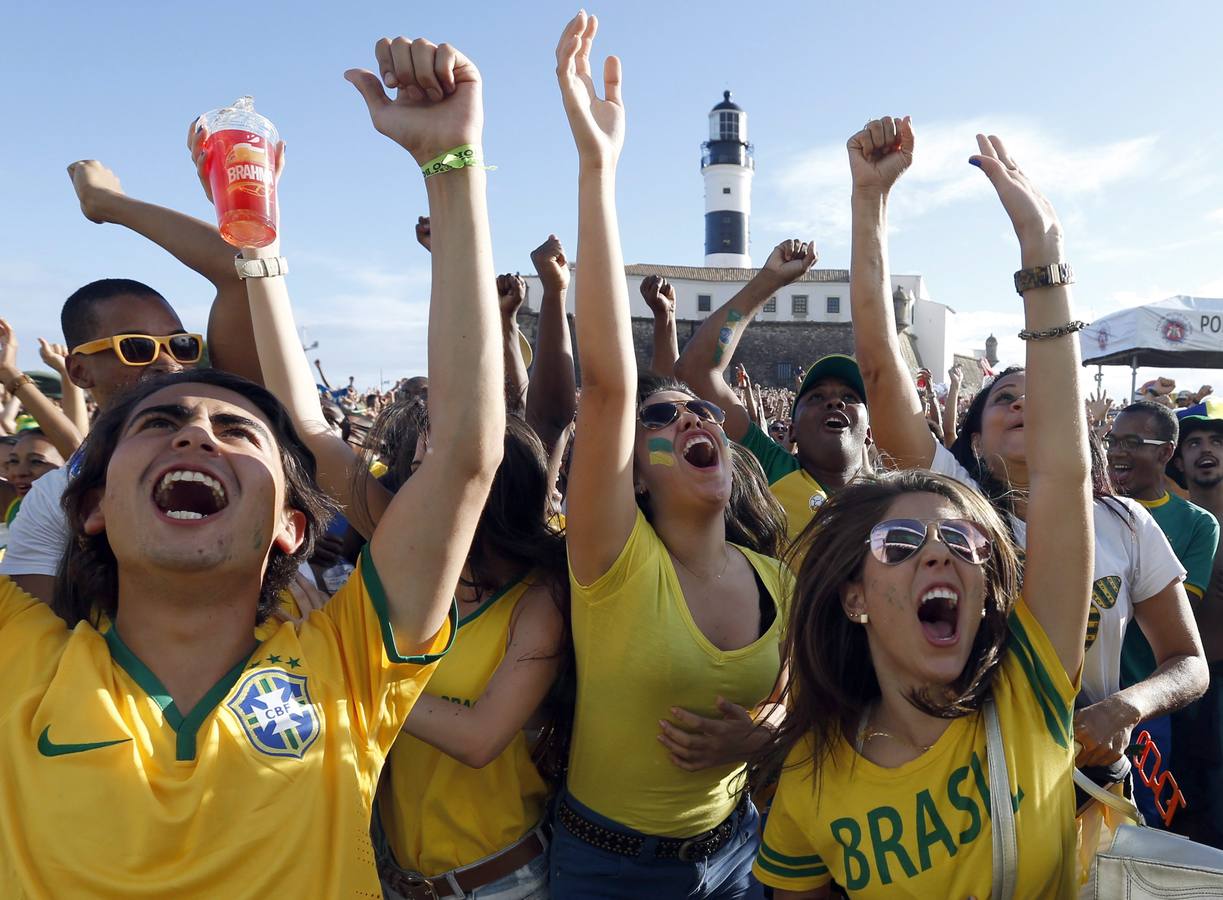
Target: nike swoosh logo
47	747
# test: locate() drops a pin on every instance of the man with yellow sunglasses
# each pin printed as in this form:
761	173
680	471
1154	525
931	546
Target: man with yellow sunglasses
122	332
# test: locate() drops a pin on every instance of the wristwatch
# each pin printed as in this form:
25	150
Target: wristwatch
1043	276
267	267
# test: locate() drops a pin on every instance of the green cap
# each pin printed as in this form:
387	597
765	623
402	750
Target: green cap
834	365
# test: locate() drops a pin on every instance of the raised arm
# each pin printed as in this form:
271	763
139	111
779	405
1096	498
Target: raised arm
58	428
659	296
422	540
73	397
286	372
951	404
601	507
1060	544
196	244
553	392
878	155
511	292
710	350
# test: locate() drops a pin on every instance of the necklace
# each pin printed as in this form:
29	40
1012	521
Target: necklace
718	577
896	737
865	735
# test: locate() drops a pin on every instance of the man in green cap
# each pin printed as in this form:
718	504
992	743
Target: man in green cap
830	424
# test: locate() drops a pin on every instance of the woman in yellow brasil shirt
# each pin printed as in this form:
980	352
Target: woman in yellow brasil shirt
884	787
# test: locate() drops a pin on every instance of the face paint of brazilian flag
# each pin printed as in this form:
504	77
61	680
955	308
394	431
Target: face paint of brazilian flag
662	452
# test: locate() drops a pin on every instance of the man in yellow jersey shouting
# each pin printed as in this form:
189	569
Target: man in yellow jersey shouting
174	755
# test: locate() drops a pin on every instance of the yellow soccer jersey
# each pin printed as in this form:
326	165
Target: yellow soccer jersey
639	653
799	494
923	829
262	790
438	814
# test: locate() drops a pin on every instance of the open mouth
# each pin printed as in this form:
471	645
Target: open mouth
1206	462
700	452
938	613
1120	471
836	422
187	494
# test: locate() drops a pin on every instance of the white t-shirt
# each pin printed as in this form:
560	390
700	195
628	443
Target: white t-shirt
39	534
1133	562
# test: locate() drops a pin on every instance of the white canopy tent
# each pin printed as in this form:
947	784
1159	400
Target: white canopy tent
1180	332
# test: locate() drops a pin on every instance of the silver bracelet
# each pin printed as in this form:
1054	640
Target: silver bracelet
1059	331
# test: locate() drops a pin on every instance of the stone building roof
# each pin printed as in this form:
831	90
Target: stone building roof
974	375
724	273
762	347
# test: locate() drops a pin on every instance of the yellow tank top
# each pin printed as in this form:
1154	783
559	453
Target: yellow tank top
436	813
639	653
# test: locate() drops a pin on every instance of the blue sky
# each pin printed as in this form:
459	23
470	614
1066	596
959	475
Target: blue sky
1113	108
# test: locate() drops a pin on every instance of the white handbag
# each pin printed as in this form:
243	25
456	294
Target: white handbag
1145	863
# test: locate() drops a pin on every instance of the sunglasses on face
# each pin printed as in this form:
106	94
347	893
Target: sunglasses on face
1129	442
142	349
659	415
894	541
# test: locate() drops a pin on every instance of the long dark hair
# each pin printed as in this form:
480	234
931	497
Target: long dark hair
831	680
514	528
87	583
754	518
999	492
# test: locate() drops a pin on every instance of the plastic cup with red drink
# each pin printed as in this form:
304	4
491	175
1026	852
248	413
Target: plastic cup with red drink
242	148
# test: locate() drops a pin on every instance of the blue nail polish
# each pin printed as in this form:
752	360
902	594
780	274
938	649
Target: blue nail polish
975	162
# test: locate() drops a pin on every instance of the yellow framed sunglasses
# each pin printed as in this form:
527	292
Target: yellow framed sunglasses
142	349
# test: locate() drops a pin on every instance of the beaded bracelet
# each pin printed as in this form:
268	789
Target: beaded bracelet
18	383
1059	331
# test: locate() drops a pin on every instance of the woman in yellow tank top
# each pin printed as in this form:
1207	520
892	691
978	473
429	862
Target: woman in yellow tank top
674	606
461	802
911	626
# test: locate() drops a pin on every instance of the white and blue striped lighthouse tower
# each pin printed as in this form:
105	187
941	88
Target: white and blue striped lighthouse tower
727	163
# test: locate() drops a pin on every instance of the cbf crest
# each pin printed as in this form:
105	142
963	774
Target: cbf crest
274	709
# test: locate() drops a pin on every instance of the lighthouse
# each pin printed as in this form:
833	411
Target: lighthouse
727	164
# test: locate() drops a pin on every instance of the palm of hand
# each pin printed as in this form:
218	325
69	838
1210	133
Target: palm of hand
54	360
599	124
1031	214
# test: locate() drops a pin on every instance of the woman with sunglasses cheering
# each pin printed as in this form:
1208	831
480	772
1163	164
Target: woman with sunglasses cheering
667	612
1136	575
888	775
911	628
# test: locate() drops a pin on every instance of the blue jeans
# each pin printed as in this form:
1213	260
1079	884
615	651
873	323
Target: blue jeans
1161	733
580	871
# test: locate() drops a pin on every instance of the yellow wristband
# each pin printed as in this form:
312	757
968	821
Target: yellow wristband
462	157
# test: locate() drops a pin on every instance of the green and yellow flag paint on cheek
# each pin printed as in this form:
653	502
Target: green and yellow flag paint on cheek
662	452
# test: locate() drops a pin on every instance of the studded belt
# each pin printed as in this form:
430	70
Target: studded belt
701	846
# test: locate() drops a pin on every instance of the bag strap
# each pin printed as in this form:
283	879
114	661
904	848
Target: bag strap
1108	798
1001	813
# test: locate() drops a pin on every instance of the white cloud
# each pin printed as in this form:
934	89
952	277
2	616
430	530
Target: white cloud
813	185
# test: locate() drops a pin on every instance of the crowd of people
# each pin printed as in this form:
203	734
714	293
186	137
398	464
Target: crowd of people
670	633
